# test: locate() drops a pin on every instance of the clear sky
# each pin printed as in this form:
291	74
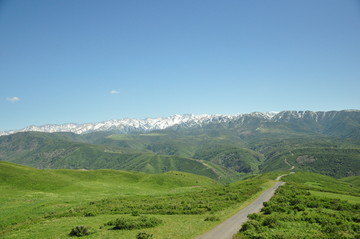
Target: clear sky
78	61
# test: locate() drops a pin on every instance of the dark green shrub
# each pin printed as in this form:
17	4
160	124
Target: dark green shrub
246	226
250	225
299	207
212	219
254	216
270	222
325	217
266	210
143	235
80	231
135	213
89	214
123	223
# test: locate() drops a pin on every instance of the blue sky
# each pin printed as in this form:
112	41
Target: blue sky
86	61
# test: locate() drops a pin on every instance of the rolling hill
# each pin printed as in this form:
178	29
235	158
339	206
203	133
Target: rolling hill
53	151
21	177
48	203
221	147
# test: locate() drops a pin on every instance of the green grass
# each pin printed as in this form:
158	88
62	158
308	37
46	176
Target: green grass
174	227
354	181
348	198
49	203
153	134
119	137
205	201
101	181
318	182
29	194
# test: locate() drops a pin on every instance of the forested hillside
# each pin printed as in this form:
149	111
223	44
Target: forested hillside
223	149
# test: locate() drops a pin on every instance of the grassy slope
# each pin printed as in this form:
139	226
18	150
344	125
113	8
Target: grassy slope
183	148
220	148
32	201
352	180
23	177
323	183
230	156
329	156
42	150
29	193
221	154
261	149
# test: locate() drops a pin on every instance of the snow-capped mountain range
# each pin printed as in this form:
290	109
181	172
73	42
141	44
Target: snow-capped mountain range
187	120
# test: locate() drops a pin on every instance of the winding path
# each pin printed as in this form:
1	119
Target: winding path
292	166
232	225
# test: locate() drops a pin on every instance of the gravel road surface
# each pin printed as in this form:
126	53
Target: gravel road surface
232	225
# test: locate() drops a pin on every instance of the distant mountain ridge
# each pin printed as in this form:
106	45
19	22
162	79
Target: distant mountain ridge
222	147
127	125
189	120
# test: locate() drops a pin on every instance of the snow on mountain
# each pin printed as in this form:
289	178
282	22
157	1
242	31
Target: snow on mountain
188	120
124	125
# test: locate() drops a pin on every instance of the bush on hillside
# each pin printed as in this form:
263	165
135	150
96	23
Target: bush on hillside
123	223
89	214
135	213
144	235
295	211
212	219
80	231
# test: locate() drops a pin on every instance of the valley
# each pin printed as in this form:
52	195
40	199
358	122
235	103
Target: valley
225	150
188	176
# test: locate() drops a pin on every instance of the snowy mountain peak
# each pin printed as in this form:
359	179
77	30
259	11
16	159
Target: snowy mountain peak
127	125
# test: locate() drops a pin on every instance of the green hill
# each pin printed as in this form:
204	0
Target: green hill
32	193
235	158
55	151
314	181
329	156
47	203
26	178
355	181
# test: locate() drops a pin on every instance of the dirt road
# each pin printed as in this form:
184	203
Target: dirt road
231	226
291	166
